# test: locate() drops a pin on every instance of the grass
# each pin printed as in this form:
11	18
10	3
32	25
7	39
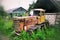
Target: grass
6	26
47	34
7	29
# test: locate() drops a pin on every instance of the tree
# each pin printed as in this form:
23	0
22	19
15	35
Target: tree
31	6
2	11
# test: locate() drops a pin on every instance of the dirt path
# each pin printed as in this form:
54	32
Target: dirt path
3	37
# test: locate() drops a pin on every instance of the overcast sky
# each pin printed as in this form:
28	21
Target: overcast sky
10	4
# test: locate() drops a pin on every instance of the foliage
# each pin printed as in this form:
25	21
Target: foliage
38	35
31	6
6	27
2	11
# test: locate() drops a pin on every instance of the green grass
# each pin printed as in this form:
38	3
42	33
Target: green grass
7	29
6	26
47	34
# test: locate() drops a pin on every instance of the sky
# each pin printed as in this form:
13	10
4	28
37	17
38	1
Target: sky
10	4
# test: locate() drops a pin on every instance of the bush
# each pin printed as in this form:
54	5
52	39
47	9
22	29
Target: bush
6	27
2	11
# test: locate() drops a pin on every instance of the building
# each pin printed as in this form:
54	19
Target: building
17	12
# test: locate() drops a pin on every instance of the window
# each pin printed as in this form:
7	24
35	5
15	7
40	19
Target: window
36	13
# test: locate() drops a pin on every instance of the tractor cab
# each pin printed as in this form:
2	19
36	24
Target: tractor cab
40	13
37	12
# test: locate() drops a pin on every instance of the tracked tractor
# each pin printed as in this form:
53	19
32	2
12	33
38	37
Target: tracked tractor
27	23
